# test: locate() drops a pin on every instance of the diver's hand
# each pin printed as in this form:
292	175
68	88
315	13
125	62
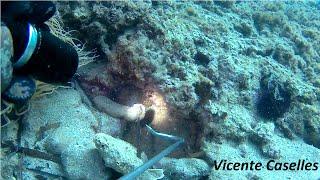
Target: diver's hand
18	88
134	113
37	52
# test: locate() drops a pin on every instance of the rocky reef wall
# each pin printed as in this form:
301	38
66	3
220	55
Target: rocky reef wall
235	79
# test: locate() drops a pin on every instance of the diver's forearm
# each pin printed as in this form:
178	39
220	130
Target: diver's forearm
134	113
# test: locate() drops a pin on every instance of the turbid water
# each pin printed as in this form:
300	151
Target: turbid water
238	81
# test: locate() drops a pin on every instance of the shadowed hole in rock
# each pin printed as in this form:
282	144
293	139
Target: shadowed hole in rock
273	99
201	59
114	174
162	119
203	89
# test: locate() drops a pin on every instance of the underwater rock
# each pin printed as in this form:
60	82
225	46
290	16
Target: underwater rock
6	50
121	156
62	125
52	169
117	154
111	18
108	124
301	117
8	165
258	39
304	122
185	168
79	160
291	151
225	4
263	137
220	125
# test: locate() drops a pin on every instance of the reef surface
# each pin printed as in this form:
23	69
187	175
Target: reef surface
237	80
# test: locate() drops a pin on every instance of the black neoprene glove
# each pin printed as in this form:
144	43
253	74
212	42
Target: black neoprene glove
37	52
